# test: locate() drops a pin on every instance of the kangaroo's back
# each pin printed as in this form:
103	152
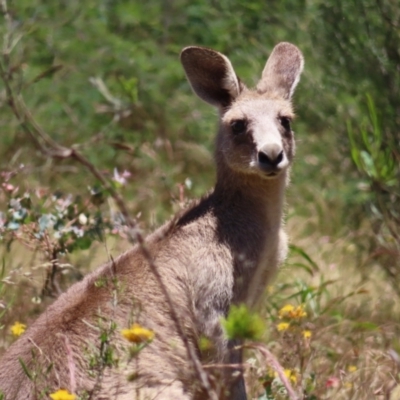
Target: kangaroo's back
114	335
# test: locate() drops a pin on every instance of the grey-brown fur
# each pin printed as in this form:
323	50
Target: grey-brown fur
221	251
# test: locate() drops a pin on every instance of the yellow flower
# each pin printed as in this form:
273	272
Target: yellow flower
285	310
307	334
138	334
289	311
62	394
352	368
282	326
290	374
18	329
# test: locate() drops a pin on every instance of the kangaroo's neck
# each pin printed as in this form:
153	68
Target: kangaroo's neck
248	211
250	198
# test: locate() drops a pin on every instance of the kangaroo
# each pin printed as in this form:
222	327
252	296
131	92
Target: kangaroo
220	251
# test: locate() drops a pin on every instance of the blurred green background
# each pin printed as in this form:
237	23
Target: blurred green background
105	76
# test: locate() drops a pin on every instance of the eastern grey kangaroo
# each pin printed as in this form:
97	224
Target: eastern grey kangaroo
221	251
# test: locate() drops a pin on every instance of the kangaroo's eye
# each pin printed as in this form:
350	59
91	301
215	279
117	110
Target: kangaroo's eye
239	126
285	122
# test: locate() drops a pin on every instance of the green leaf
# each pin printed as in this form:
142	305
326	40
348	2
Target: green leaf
365	139
299	251
24	367
303	266
368	164
366	326
374	120
355	153
84	242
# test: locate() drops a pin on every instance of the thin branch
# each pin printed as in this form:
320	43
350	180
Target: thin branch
277	367
223	366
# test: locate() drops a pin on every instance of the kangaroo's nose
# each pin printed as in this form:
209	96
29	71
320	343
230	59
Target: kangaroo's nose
270	155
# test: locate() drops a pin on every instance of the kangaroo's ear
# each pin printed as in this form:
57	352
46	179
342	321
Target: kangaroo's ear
282	70
211	75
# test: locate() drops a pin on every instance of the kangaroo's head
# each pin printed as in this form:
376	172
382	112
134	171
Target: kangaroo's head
255	136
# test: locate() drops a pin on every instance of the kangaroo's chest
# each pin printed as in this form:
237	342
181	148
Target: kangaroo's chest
256	262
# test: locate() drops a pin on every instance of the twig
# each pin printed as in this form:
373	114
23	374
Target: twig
223	366
277	367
